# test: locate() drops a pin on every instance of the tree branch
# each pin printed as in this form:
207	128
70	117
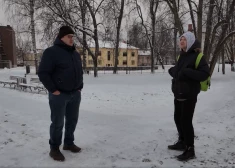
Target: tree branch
98	6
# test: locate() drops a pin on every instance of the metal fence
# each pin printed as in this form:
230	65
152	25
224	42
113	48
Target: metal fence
127	70
123	68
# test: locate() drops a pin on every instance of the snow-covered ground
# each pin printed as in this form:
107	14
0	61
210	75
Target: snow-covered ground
125	121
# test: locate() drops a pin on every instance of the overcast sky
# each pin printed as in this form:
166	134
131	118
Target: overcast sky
3	19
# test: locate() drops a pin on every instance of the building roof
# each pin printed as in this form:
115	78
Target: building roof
110	44
8	27
144	53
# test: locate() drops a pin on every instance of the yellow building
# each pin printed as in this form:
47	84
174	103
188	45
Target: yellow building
29	58
128	55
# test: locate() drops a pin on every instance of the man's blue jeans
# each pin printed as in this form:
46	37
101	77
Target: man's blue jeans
64	106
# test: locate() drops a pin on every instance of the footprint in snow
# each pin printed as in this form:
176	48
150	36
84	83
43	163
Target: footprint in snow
146	160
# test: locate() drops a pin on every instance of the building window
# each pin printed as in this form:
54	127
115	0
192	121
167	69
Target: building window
132	62
90	62
124	62
124	54
132	54
109	55
99	62
99	54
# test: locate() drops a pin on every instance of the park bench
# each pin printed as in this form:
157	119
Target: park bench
8	82
38	87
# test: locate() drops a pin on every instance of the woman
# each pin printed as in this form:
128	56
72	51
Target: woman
186	87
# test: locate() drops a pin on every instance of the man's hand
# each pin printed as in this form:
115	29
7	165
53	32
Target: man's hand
56	93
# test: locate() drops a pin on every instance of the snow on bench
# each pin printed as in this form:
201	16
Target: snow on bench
8	82
24	86
40	88
37	87
20	82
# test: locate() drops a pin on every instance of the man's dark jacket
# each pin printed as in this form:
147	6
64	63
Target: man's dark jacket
61	68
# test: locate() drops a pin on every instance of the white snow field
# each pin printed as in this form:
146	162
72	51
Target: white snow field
125	121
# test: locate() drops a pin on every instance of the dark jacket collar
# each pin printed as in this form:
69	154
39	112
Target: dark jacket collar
61	44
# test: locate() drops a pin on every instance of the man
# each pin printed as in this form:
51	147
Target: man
61	73
186	87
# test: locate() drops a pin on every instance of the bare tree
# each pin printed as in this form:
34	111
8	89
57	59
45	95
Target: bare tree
192	16
33	35
93	11
230	45
199	19
209	24
219	14
23	47
113	16
83	9
150	29
174	7
224	35
164	42
59	12
137	36
25	9
118	35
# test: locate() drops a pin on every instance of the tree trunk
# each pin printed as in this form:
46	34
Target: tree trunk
116	52
153	25
32	26
175	44
192	18
232	44
199	20
96	57
84	53
208	30
22	56
223	62
83	13
95	67
232	63
118	36
233	54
